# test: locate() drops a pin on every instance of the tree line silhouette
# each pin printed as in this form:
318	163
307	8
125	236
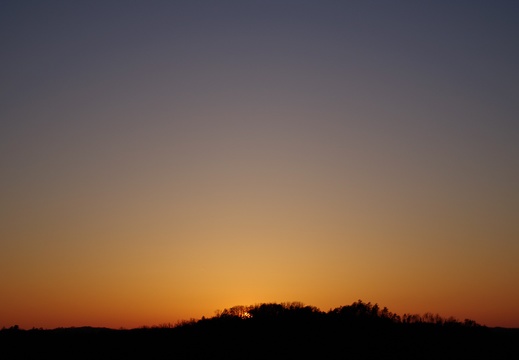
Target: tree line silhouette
274	331
358	311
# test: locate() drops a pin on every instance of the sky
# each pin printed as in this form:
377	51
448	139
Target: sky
161	160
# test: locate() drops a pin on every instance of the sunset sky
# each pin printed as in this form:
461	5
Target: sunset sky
161	160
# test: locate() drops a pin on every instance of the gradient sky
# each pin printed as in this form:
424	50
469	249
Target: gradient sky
161	160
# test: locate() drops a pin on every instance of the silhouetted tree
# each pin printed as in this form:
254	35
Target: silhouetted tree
275	330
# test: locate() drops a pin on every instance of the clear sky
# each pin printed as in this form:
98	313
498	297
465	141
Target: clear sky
161	160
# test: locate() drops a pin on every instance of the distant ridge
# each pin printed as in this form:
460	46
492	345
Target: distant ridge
275	331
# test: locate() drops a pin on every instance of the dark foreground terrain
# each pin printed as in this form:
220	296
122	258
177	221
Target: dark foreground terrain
274	331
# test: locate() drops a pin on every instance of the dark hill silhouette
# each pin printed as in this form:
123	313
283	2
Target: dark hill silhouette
275	331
